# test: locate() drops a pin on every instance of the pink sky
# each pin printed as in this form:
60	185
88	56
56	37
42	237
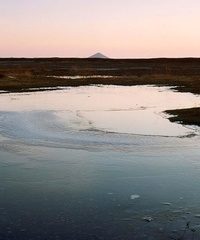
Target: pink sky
116	28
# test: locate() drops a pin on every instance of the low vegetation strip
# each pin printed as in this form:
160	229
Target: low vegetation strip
21	74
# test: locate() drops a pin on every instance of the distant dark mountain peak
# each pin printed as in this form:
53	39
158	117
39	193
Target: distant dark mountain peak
98	55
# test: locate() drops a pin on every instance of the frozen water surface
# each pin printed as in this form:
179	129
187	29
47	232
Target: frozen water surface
98	162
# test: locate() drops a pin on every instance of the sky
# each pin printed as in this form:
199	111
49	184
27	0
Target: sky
116	28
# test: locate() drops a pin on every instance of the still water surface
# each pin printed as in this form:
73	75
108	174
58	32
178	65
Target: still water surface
98	162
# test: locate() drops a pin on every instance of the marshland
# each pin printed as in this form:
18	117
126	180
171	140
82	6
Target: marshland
88	151
21	74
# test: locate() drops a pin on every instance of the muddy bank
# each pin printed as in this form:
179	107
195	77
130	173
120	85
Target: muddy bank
188	116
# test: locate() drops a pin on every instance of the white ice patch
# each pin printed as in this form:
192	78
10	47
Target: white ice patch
134	196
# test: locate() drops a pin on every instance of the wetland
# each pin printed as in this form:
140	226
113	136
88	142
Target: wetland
86	155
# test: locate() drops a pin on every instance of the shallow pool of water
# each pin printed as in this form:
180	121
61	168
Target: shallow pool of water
98	162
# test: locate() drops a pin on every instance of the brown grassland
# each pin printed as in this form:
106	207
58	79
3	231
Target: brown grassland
183	74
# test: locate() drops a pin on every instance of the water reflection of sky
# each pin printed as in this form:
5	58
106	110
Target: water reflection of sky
65	176
135	110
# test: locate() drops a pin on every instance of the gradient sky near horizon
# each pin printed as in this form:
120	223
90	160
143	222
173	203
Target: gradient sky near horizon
116	28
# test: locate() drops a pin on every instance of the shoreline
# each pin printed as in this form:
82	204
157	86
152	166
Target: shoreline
35	74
